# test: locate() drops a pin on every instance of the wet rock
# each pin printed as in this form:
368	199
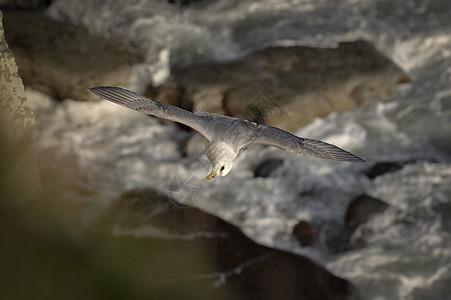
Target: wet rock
267	167
306	233
444	210
382	168
64	60
287	87
359	212
184	2
238	268
16	119
25	4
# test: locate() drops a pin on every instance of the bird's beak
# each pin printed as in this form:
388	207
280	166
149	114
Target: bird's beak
211	175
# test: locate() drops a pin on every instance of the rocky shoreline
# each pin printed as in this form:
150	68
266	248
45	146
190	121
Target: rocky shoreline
287	87
63	61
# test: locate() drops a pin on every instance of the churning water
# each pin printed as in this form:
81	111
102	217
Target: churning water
113	149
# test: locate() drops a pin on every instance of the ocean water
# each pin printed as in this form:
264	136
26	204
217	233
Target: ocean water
112	149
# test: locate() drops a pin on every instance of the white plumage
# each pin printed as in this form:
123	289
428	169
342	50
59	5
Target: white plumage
224	135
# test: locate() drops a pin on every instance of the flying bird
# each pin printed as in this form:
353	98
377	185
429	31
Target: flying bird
224	135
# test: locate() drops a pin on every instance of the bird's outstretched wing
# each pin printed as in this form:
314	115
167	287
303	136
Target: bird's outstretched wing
143	104
281	139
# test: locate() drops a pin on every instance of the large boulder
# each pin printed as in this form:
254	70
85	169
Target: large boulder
286	87
63	60
236	265
16	119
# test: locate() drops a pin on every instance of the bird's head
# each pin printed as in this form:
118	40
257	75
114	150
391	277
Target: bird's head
221	168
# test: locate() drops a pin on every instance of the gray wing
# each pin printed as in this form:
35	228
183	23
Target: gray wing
281	139
143	104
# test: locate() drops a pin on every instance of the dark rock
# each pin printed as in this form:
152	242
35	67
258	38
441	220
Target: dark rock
184	2
359	212
362	209
64	60
306	233
443	209
267	167
239	268
382	168
25	4
287	87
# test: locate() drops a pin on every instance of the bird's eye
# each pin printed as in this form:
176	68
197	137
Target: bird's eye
222	168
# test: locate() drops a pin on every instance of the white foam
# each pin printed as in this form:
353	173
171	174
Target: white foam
122	150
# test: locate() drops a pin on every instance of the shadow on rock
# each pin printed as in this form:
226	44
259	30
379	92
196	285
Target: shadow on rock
234	264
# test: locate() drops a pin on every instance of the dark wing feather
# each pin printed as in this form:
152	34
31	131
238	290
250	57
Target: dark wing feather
281	139
143	104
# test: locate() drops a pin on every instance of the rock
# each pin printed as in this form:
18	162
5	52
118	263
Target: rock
382	168
239	267
184	2
267	167
443	209
359	212
16	119
286	87
25	4
306	233
64	60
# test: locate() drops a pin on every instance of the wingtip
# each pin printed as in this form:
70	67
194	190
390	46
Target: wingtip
348	157
357	159
100	90
95	89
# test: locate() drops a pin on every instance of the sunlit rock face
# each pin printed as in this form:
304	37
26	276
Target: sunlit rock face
16	119
287	87
64	60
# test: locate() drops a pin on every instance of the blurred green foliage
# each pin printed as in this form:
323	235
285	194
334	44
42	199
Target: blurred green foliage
44	253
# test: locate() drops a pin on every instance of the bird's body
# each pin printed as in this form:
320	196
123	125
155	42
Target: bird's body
225	135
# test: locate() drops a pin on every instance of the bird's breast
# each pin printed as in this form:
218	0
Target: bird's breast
220	151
